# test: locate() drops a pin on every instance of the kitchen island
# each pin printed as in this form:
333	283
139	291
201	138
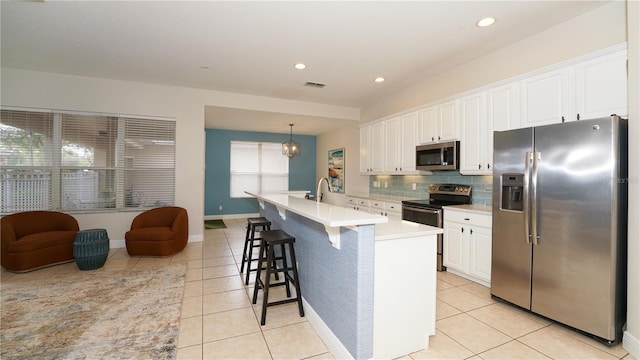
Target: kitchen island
368	282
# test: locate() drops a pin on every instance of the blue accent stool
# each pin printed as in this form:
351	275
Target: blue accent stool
91	248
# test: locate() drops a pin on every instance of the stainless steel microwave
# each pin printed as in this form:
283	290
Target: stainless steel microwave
439	156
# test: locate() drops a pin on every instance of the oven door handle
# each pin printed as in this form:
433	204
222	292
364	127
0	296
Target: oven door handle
427	211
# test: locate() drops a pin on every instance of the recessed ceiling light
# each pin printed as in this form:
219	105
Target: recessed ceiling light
379	79
485	22
300	66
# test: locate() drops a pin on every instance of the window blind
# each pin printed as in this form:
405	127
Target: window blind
148	161
84	162
257	167
26	159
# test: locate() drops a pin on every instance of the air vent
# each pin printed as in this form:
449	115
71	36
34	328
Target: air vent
315	84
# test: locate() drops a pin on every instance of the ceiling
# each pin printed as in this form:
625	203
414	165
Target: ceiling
251	47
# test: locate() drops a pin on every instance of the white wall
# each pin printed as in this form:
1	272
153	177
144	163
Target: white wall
631	340
66	92
348	138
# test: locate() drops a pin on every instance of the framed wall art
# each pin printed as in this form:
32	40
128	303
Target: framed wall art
336	170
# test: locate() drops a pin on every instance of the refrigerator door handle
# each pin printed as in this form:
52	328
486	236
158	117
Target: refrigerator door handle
534	196
525	197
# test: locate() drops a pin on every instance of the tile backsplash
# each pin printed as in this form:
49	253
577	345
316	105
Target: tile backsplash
402	185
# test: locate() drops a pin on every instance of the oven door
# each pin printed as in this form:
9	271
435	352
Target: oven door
431	217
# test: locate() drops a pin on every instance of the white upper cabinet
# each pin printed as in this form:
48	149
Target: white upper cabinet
475	132
428	125
400	157
365	149
545	98
372	148
408	142
601	86
392	131
449	120
377	147
495	109
439	122
502	108
589	89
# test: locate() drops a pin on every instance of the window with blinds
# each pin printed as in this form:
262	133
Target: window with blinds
84	162
257	167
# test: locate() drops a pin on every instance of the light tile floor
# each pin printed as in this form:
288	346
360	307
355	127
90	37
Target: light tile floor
219	321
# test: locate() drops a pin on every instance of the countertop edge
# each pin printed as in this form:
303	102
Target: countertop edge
326	214
478	209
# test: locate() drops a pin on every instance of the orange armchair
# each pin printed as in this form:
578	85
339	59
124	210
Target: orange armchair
158	232
34	239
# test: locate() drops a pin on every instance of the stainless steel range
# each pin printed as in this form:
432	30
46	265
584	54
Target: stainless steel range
429	211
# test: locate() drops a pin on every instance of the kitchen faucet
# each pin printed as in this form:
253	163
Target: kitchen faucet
318	194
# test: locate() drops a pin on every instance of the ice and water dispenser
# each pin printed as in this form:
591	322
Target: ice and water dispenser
512	191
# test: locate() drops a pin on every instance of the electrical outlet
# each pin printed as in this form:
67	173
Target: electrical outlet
413	186
220	207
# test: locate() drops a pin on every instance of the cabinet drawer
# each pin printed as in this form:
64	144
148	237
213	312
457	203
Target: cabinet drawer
394	207
467	218
352	201
363	202
378	204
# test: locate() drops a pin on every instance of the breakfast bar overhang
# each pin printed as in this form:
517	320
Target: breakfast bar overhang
368	282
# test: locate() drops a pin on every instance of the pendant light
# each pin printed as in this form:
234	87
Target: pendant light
291	148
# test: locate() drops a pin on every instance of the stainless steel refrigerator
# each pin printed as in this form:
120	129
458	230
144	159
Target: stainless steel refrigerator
559	223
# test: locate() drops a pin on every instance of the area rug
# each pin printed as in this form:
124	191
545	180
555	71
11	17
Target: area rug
128	314
214	224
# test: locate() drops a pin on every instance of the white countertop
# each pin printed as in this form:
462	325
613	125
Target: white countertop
483	209
399	229
326	214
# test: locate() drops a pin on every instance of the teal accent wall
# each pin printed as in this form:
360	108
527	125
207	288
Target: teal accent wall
402	185
302	169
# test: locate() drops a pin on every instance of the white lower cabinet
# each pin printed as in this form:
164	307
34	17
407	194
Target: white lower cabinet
391	209
467	244
377	207
359	204
394	210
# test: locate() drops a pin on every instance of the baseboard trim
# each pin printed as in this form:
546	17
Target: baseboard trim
119	244
330	339
631	344
116	244
230	216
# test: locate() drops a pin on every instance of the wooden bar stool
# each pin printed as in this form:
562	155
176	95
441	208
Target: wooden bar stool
251	242
271	239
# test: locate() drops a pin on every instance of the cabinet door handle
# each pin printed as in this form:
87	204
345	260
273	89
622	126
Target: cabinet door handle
563	119
488	166
479	166
438	137
432	138
578	117
471	232
462	229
